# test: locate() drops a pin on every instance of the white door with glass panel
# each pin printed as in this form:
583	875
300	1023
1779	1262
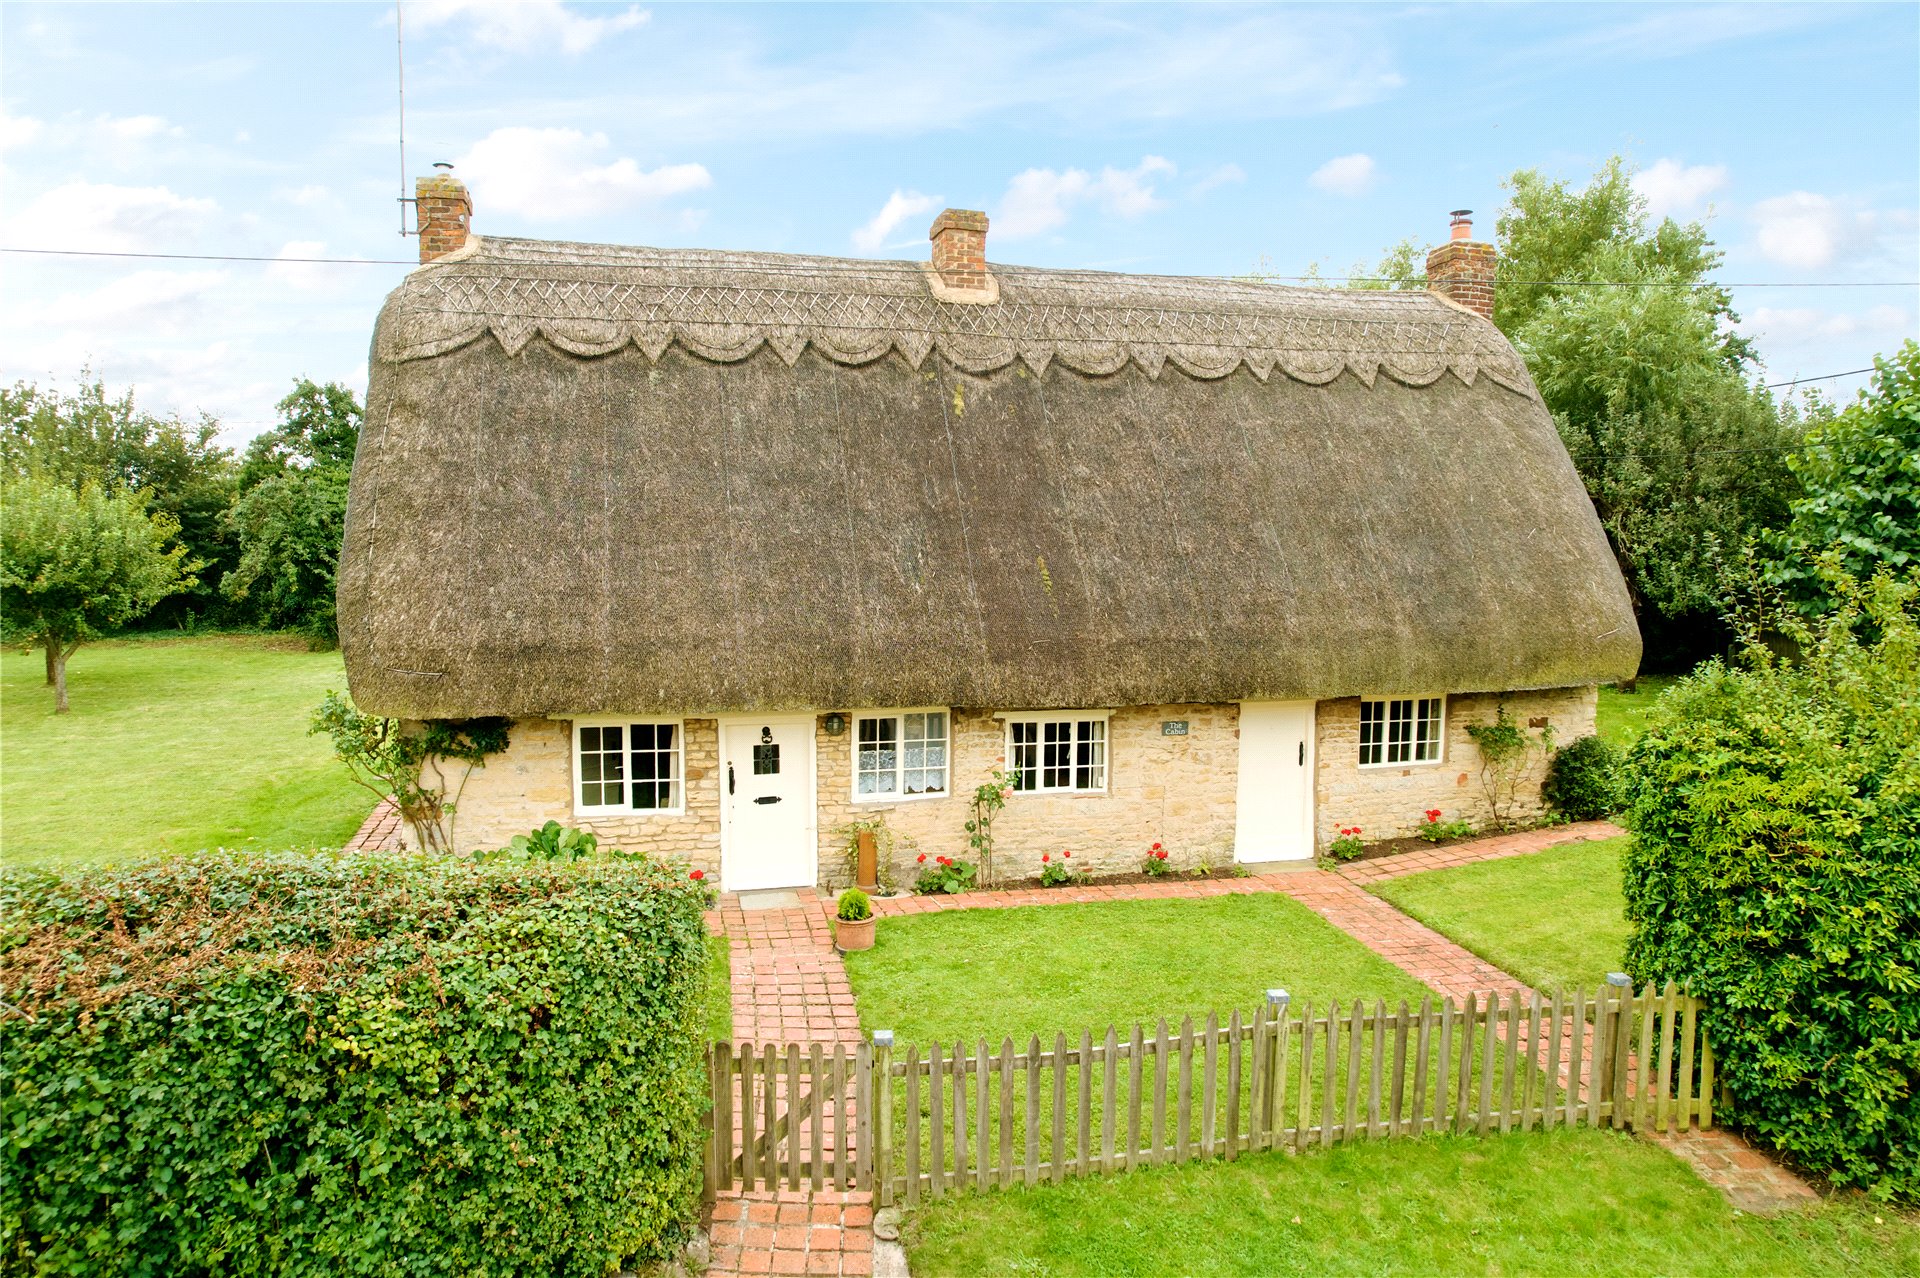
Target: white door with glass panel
766	798
1273	818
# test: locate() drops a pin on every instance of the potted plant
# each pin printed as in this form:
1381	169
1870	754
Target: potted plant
853	922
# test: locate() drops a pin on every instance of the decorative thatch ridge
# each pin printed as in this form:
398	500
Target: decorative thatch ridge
732	482
592	300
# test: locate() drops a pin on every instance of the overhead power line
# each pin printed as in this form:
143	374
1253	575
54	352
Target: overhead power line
1824	377
881	269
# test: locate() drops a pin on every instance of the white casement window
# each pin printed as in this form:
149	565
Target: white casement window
899	754
627	766
1057	754
1401	730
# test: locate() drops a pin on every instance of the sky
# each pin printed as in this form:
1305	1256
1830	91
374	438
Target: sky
1199	139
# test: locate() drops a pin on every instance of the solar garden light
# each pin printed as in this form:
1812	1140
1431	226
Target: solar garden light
883	1038
1619	980
1277	998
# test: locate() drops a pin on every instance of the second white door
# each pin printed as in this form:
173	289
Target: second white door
1273	819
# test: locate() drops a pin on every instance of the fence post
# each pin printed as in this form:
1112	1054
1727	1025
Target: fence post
1273	1067
880	1117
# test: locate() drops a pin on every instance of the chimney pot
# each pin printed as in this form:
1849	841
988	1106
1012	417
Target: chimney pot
960	250
443	211
1462	269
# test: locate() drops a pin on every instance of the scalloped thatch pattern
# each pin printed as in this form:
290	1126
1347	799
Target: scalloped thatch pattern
593	300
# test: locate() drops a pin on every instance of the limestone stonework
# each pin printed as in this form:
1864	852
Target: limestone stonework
1174	790
531	783
1390	801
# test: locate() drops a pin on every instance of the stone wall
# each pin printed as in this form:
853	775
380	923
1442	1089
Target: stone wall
1390	801
1177	791
531	783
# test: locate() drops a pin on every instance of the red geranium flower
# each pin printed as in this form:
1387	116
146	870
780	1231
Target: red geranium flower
1045	857
1433	814
1066	854
1161	855
1156	847
921	859
698	875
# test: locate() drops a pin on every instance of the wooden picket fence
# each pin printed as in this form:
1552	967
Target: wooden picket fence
908	1123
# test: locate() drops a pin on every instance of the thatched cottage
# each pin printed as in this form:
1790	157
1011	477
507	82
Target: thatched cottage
750	546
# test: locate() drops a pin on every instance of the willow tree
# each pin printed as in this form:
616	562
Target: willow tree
76	563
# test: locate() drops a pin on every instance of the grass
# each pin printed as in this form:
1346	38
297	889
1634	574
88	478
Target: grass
172	746
1622	716
1551	918
719	990
1044	969
1565	1202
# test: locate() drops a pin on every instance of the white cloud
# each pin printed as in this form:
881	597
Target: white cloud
135	128
17	130
311	277
1220	177
522	25
551	174
1671	187
305	196
1796	324
1041	199
900	206
1808	231
101	216
147	301
1345	175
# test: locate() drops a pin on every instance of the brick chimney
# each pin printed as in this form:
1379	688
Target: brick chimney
1462	269
960	252
444	211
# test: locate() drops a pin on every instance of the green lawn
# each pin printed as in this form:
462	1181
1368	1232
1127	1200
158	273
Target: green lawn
719	990
1551	918
1623	715
172	746
1579	1202
1044	969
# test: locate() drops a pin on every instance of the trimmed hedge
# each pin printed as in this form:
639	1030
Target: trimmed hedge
1775	869
1583	781
327	1065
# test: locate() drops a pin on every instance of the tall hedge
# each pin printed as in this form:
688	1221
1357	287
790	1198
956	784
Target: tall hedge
349	1066
1775	868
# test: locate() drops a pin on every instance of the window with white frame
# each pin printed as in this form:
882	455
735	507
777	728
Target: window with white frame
900	754
1401	730
1057	754
629	766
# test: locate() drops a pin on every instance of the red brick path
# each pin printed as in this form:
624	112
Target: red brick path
1488	849
1751	1180
792	1232
380	832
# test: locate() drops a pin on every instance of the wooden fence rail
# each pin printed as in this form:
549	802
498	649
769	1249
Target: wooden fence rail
914	1122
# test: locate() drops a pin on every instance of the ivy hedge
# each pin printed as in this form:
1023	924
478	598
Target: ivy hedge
1775	868
328	1065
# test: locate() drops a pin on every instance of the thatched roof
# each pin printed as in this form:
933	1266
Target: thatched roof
614	479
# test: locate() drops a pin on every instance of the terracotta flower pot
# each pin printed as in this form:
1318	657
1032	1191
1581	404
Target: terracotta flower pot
850	935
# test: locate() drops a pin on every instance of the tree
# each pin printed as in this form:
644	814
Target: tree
1859	472
291	514
1633	349
87	437
75	563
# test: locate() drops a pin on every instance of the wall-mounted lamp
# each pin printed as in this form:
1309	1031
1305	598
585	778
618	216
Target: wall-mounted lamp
836	724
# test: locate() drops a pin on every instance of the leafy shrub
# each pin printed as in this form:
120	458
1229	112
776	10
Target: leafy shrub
1775	869
855	906
944	875
287	1065
1583	780
552	842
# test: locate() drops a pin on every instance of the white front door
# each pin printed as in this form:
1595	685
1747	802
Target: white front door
1273	814
766	804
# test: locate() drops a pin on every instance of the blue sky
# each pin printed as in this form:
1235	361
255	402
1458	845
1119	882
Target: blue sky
1191	139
